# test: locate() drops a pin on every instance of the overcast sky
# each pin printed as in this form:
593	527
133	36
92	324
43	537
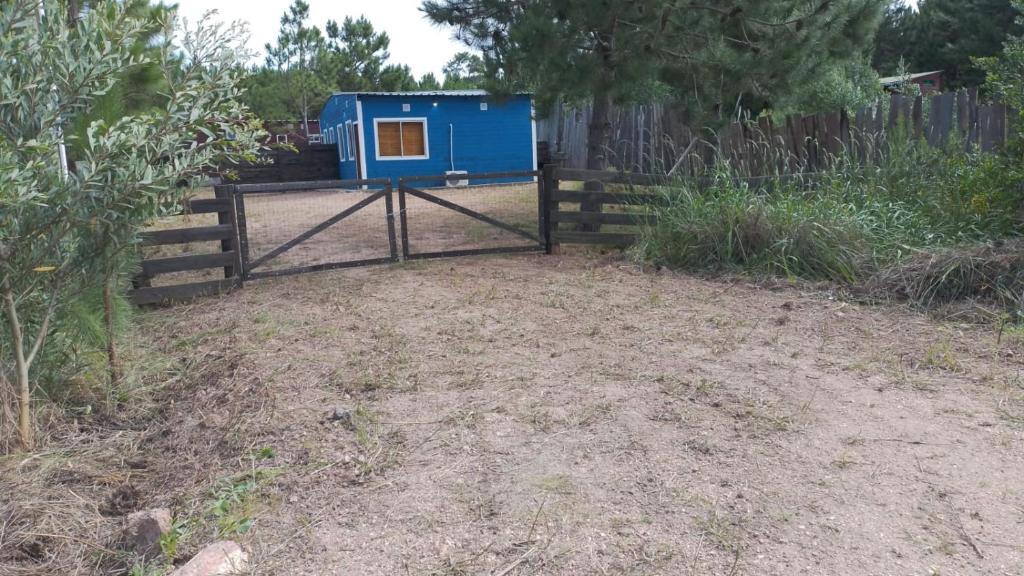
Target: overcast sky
414	40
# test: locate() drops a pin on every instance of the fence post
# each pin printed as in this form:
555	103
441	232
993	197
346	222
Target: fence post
548	189
403	218
227	216
238	202
389	207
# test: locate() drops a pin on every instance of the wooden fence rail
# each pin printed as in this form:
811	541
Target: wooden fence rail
228	257
626	211
309	162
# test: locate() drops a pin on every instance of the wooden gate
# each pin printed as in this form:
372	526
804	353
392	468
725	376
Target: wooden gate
290	238
489	213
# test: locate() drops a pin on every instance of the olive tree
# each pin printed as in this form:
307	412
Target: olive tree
57	228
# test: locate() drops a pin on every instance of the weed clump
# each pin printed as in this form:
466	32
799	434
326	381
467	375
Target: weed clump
927	225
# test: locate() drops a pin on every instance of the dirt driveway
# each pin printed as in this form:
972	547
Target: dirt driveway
566	415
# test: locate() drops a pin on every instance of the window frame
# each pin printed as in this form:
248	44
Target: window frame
400	121
341	146
351	138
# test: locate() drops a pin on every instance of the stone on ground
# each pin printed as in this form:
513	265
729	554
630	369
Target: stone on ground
217	559
144	529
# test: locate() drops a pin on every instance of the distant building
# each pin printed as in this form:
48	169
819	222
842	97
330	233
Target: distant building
395	134
930	82
293	132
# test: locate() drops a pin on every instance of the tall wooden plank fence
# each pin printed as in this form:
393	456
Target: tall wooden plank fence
650	138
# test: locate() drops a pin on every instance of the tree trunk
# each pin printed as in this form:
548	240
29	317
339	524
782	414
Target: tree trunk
598	134
21	364
113	361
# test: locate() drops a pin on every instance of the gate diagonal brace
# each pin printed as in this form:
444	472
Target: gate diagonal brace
317	229
466	211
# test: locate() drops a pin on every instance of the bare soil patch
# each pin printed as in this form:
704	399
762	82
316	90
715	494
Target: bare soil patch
575	415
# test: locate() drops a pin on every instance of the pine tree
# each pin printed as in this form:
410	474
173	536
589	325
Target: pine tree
716	57
945	35
357	52
298	50
465	70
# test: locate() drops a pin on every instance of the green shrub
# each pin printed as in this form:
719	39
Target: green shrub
846	223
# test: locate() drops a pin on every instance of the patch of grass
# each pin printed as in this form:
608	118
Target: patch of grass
590	414
843	461
559	484
930	226
725	530
232	505
540	418
941	356
377	452
762	416
680	388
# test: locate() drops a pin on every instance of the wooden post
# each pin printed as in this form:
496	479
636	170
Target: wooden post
975	117
389	209
917	116
403	219
226	216
243	234
963	114
548	187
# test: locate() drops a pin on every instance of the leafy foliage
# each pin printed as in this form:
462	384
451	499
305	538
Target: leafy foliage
1005	72
841	85
719	59
465	71
59	230
306	66
945	35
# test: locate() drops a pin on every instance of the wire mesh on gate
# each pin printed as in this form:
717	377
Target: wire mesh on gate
476	214
297	227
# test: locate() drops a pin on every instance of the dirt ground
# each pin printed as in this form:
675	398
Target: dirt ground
572	414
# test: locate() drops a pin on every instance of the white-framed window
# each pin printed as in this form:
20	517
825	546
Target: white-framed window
401	138
341	145
350	130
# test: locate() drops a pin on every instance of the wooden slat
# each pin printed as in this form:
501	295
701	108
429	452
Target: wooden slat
613	218
184	235
963	114
167	294
603	238
942	109
156	266
310	185
604	197
612	177
209	205
471	176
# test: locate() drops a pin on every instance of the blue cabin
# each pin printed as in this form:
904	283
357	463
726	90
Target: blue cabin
395	134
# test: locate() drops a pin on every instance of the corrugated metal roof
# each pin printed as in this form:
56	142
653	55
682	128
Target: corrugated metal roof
911	77
427	93
422	93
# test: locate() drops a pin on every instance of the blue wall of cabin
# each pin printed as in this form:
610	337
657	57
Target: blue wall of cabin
338	111
499	139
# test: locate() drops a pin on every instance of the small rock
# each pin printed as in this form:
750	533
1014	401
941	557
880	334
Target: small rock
217	559
143	531
341	415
